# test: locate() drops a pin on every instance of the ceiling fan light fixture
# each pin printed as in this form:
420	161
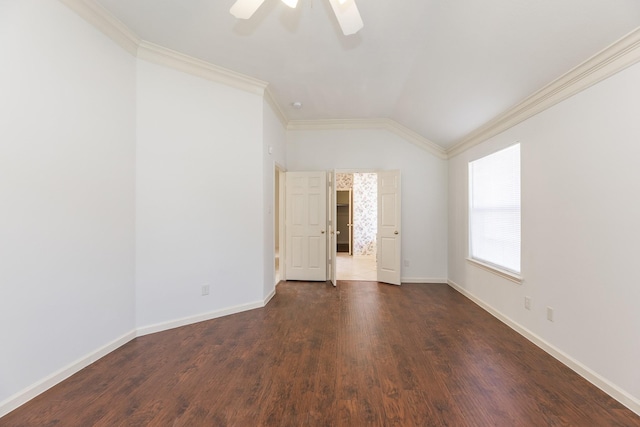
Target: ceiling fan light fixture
346	12
348	16
244	9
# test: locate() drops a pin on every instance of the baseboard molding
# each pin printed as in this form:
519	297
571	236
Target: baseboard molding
171	324
268	297
597	380
423	280
60	375
34	390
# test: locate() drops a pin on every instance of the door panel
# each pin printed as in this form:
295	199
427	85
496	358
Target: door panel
388	249
333	227
306	198
389	229
296	252
388	211
316	256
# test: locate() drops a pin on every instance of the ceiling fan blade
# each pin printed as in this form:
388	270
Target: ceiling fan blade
347	15
244	9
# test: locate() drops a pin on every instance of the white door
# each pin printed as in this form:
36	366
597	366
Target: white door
333	227
306	220
350	223
389	230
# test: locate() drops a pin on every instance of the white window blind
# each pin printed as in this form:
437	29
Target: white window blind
494	209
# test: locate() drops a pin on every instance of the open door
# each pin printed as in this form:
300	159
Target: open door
350	223
389	230
333	228
306	222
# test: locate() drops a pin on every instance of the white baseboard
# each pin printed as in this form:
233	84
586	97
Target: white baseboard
34	390
602	383
423	280
60	375
163	326
268	297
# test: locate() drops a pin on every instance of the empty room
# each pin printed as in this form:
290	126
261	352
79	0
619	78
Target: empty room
180	181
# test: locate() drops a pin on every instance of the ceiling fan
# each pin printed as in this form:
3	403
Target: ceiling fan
346	12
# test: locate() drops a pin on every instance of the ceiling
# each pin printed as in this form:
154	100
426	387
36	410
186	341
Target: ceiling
442	68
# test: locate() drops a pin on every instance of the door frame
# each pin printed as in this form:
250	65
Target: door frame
282	241
352	171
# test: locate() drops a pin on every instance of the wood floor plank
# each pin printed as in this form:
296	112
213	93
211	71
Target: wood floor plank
361	354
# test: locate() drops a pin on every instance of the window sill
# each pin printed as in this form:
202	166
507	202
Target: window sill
515	278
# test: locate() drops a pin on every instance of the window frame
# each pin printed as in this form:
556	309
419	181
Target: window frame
502	271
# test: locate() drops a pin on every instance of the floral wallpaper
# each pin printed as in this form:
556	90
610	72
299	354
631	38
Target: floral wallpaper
365	213
344	181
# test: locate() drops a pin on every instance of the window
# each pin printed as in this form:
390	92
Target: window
494	210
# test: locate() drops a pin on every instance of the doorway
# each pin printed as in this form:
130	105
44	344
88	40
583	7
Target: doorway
356	225
308	244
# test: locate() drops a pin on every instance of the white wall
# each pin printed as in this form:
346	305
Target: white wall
274	137
67	120
580	230
95	241
424	186
199	196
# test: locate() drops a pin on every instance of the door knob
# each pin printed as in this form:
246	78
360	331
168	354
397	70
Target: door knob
395	232
322	231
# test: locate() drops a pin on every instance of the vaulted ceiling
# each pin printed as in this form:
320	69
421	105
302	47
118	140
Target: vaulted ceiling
442	68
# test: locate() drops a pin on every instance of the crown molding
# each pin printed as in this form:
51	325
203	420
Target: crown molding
179	61
277	110
103	20
614	58
383	123
100	18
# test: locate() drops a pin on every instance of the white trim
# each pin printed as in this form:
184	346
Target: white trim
515	278
382	123
104	21
62	374
614	58
23	396
179	61
597	380
269	297
184	321
271	100
423	280
101	19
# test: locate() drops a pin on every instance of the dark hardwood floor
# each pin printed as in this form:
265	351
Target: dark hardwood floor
362	354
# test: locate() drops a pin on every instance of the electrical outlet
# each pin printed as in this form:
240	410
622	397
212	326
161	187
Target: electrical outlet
205	290
407	263
550	314
527	303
